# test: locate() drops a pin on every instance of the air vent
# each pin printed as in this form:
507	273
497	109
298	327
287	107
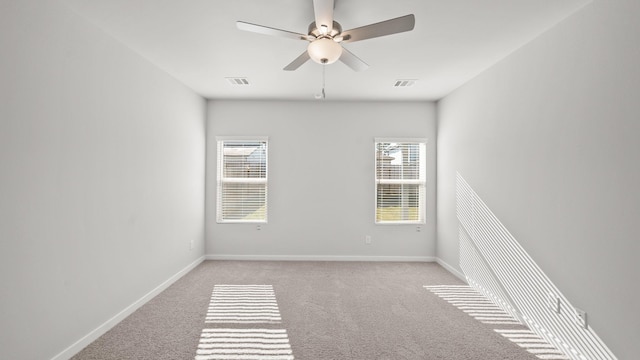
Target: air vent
404	83
238	81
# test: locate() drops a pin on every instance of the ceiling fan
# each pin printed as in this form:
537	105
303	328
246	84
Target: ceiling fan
325	36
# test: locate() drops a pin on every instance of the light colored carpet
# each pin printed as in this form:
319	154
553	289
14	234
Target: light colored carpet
330	310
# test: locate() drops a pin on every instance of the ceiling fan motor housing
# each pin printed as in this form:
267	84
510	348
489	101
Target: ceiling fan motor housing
315	31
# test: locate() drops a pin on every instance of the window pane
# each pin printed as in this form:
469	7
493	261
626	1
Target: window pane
400	181
398	202
397	160
245	160
242	181
243	201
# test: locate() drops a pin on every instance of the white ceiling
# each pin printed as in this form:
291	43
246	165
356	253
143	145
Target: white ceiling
197	42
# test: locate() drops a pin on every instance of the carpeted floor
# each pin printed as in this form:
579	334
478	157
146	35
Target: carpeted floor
330	310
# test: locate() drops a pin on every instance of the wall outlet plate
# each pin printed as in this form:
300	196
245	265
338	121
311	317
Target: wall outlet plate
367	239
581	318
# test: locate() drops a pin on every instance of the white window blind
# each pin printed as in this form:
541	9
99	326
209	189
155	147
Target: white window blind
242	180
400	181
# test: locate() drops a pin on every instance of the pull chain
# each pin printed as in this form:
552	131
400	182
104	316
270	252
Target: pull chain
322	95
323	81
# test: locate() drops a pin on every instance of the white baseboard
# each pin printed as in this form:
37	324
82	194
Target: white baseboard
321	258
451	269
106	326
100	330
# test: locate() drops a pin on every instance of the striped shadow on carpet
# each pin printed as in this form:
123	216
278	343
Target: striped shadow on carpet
533	343
245	344
483	309
243	304
474	304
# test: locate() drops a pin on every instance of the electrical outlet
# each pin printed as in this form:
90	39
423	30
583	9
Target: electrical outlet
191	244
554	302
581	318
418	228
258	227
367	239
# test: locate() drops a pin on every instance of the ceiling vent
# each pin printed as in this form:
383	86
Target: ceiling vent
238	81
404	83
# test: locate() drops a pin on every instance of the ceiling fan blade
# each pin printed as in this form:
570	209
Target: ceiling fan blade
388	27
260	29
323	9
352	61
297	62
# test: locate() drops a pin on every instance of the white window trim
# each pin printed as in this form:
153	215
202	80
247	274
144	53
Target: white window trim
221	180
422	181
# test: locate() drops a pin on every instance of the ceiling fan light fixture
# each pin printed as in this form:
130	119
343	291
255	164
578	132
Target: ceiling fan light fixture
324	51
325	36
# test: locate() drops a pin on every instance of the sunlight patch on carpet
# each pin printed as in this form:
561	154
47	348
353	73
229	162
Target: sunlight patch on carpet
483	309
533	343
245	344
474	304
243	304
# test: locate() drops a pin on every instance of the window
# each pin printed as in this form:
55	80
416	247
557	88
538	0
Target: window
242	180
400	181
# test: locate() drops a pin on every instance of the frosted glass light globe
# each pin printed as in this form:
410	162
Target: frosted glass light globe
324	51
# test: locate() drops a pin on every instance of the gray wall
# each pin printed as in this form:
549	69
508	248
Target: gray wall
548	138
101	178
321	186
